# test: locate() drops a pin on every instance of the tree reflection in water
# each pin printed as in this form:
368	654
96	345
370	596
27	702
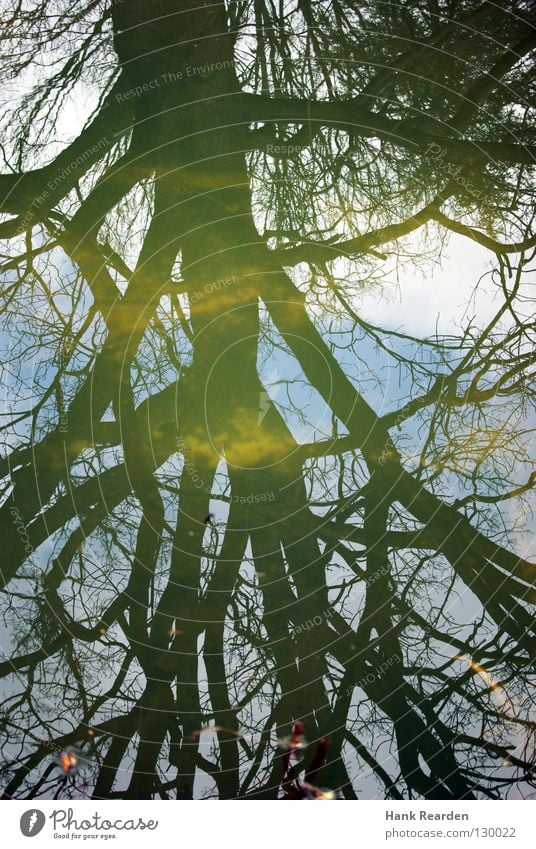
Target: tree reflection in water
256	542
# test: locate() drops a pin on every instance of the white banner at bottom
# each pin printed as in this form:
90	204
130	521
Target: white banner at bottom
264	825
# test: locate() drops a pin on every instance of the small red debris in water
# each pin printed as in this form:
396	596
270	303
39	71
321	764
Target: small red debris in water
68	762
